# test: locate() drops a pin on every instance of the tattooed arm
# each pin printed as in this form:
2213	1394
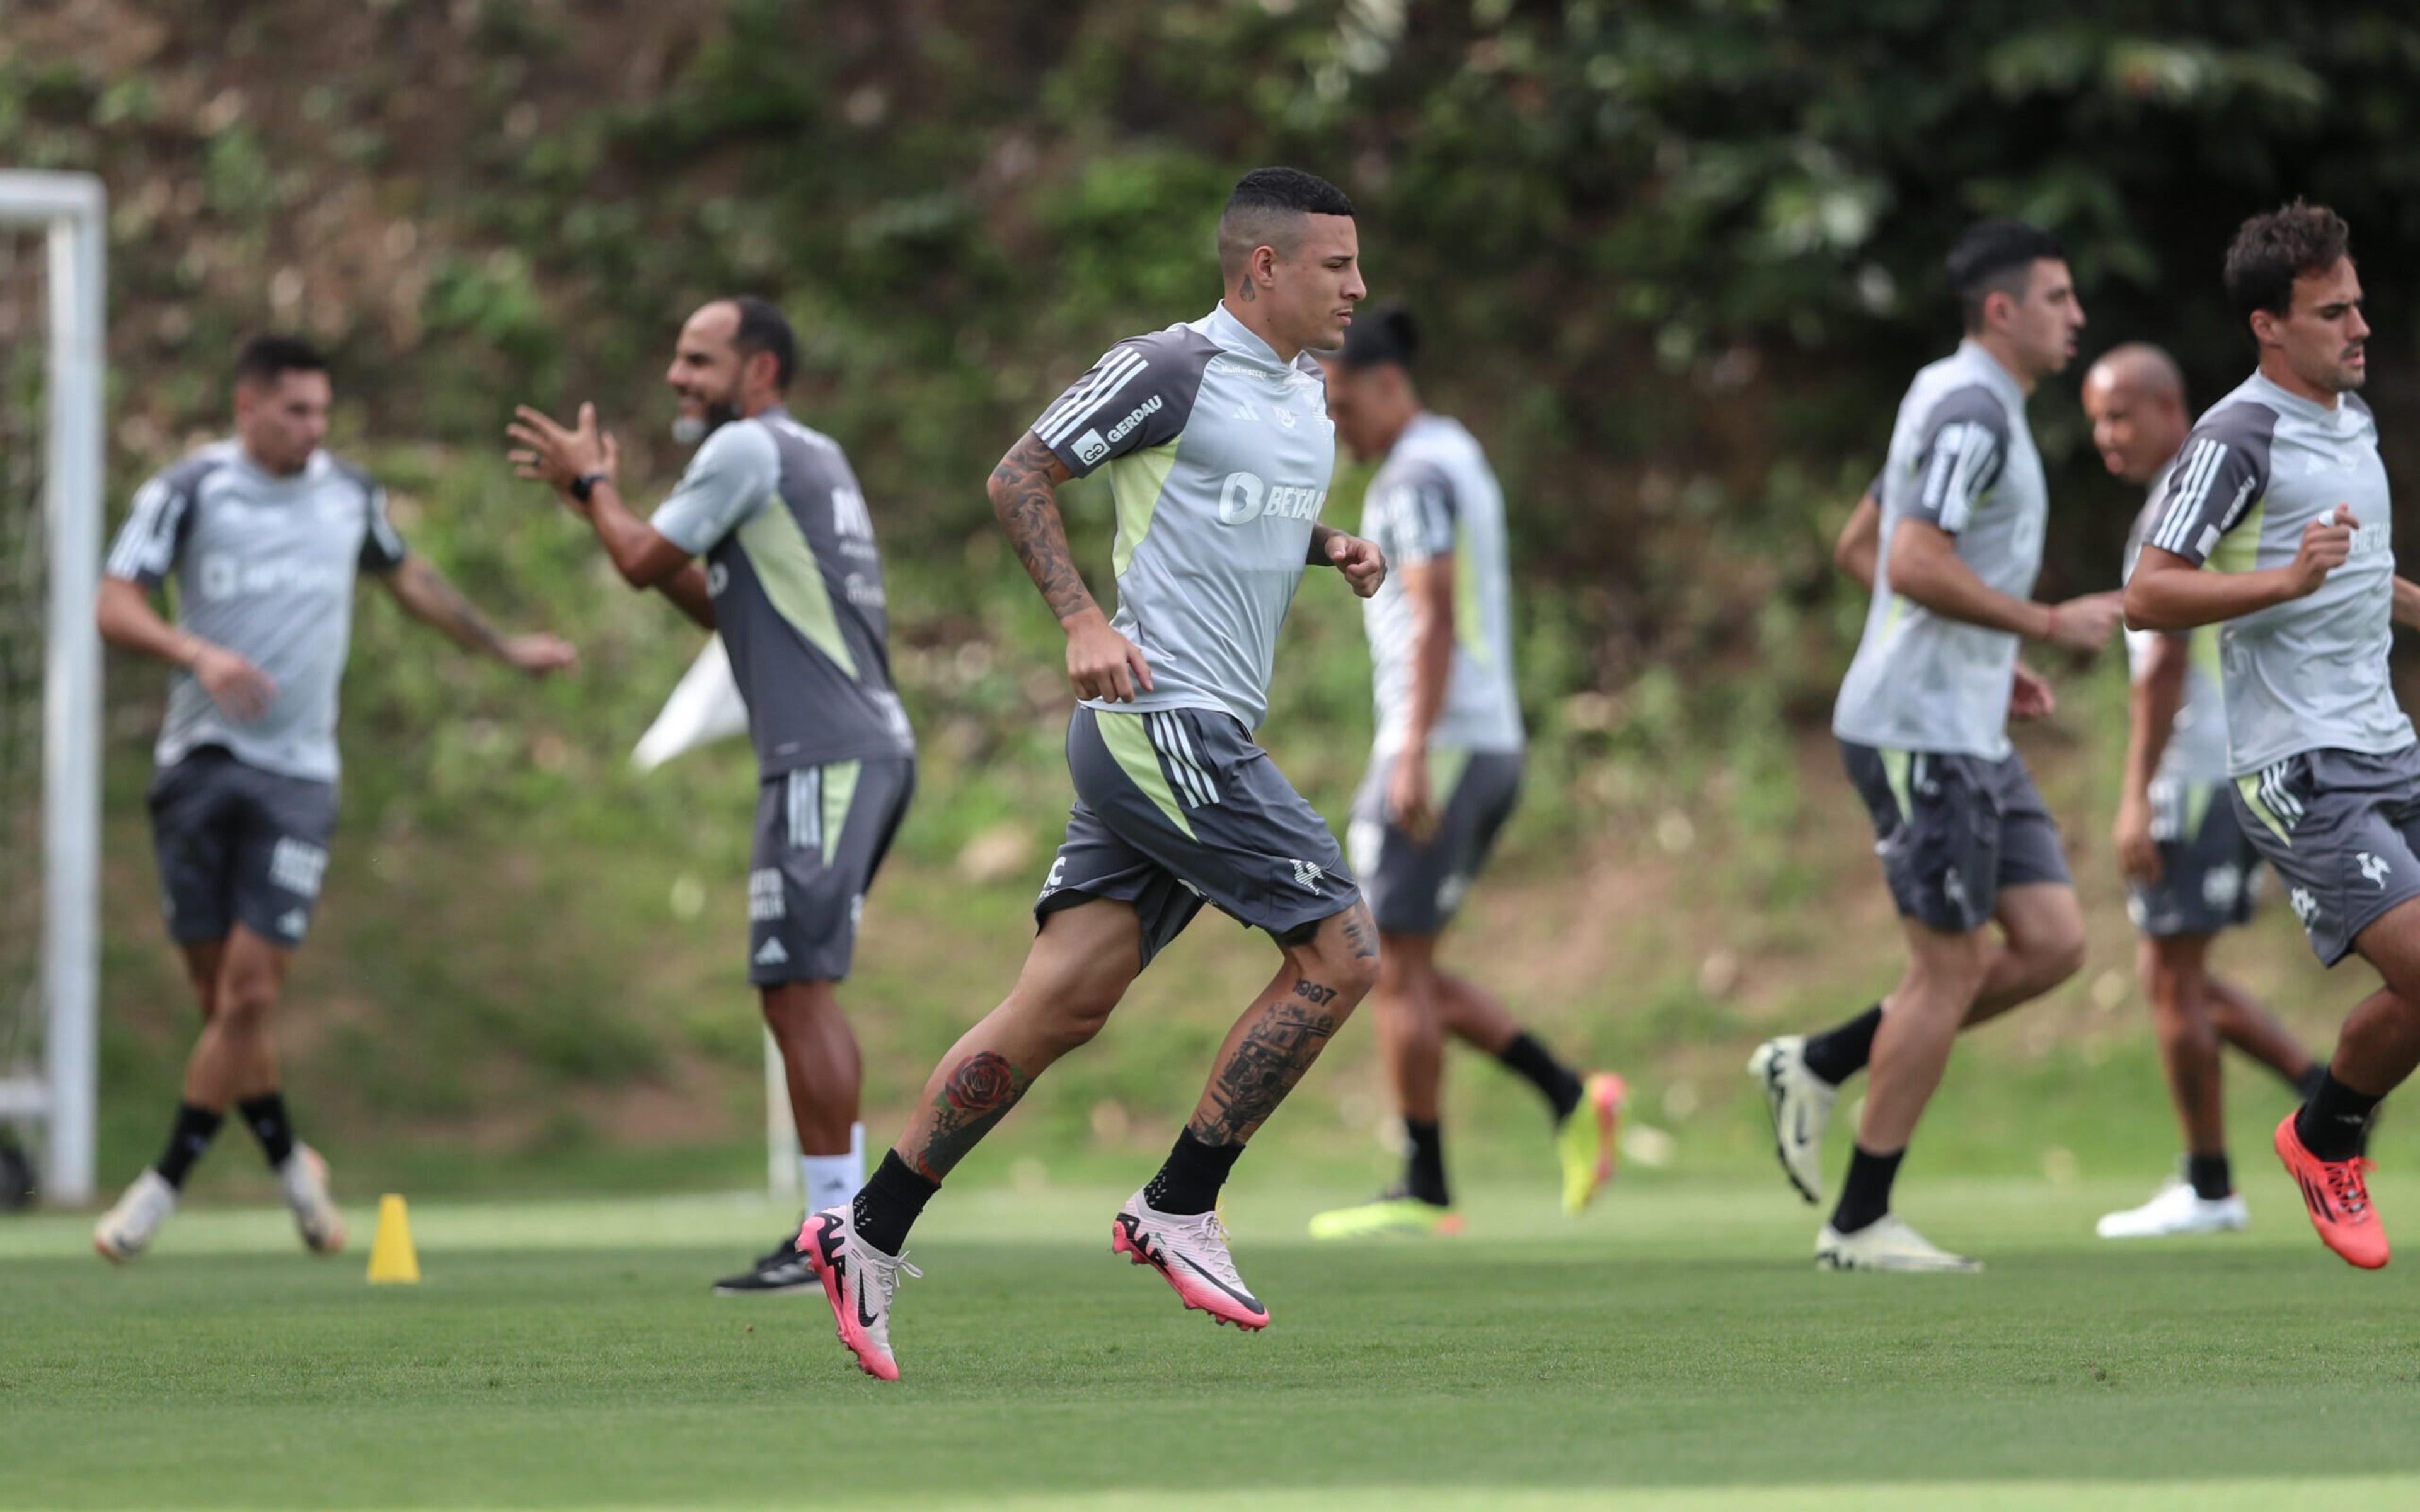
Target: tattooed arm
427	597
1024	491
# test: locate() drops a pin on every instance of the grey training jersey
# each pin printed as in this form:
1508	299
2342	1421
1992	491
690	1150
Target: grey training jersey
2196	755
789	553
2309	675
1435	495
264	567
1219	457
1961	458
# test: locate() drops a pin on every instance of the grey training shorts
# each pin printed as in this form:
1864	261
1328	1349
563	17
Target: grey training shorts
821	834
2343	830
1175	807
238	844
1415	886
2209	874
1953	830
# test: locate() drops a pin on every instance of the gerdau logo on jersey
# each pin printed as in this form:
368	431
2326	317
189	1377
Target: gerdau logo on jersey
1246	498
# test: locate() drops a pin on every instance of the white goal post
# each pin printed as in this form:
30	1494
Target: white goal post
69	209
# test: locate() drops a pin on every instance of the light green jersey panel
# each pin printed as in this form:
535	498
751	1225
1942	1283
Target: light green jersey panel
786	566
1136	482
2238	549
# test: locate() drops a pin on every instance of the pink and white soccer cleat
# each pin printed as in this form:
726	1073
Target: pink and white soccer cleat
1191	1253
859	1283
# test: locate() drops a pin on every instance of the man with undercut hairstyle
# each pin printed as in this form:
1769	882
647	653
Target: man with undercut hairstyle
792	582
264	535
2275	524
1215	440
1964	838
1444	773
2191	871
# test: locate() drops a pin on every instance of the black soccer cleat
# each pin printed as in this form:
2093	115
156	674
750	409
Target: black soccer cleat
778	1271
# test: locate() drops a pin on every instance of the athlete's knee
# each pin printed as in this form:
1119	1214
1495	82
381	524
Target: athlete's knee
245	999
1944	973
1343	955
2051	949
1071	1004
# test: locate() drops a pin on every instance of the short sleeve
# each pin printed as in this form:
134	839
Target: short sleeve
382	548
1965	444
1138	395
153	536
1421	505
735	470
2222	471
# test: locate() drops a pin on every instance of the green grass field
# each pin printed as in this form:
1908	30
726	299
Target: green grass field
1674	1347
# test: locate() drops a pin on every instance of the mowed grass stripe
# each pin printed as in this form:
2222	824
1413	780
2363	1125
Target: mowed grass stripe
1624	1353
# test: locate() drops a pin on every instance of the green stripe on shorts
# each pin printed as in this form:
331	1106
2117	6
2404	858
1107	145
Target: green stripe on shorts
1130	742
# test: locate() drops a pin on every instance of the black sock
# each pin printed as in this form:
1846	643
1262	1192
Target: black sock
2335	1123
1189	1181
885	1207
1837	1054
2309	1083
1866	1194
1533	1062
1424	1169
2209	1177
195	1128
266	1116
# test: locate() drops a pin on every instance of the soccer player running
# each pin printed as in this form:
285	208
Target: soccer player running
2190	873
2279	491
1443	774
1216	439
1922	718
265	534
794	583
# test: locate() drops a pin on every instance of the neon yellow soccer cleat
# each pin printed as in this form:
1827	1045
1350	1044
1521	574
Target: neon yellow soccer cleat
1586	1140
1389	1215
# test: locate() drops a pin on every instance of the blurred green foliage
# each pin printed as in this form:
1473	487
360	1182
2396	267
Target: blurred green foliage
1678	260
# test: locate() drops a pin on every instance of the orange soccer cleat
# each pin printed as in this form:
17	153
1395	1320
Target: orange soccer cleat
2338	1198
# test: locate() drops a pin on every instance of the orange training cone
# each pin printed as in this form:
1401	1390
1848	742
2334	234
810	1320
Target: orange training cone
391	1256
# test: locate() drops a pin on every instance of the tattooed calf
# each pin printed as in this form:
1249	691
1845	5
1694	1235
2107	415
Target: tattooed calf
977	1096
1265	1065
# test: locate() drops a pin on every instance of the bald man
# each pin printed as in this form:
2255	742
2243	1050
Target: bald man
2191	871
769	540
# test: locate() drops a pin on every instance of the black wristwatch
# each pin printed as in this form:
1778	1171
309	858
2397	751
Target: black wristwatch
584	485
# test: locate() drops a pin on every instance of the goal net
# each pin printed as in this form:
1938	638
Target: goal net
51	356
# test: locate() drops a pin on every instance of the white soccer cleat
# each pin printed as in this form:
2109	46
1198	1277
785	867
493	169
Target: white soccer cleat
2177	1209
303	1178
859	1283
1189	1251
1885	1245
127	1229
1801	1104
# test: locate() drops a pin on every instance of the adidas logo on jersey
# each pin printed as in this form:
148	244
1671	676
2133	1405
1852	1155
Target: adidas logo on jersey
771	954
294	924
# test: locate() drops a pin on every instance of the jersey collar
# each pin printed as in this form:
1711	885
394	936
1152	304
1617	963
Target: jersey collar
1999	377
2285	401
1241	340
